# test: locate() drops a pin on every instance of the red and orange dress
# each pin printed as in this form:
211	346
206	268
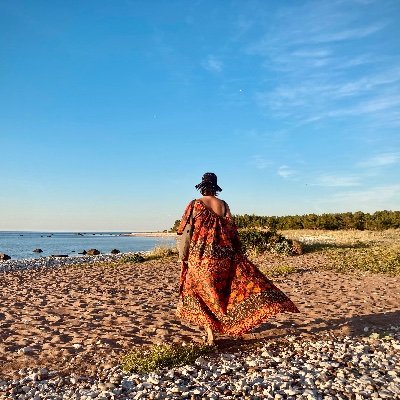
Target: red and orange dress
221	288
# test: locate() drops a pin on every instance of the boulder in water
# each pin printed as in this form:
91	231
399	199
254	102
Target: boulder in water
4	257
38	251
115	251
92	252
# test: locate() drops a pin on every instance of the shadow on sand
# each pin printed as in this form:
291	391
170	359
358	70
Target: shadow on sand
359	325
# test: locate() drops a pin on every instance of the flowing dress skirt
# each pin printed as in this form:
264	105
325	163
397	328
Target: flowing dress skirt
220	287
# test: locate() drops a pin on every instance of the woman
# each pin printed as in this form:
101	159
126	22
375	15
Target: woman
221	290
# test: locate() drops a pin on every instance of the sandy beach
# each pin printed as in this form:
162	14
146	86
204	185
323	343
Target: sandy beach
82	318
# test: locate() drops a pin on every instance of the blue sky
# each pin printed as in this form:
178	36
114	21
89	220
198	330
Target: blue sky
110	111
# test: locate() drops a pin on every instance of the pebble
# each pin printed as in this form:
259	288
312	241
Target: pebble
307	370
26	350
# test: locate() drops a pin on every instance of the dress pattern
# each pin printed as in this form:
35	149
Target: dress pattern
220	287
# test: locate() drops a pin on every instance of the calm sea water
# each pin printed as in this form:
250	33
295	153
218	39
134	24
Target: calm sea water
20	245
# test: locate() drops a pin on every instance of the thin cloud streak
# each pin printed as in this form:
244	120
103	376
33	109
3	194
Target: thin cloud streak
368	200
381	160
337	181
314	53
260	162
326	75
372	195
349	34
286	172
212	64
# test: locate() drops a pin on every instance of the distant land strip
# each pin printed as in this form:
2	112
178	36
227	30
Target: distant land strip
150	234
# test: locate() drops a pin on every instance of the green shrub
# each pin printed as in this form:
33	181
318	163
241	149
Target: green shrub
161	356
258	241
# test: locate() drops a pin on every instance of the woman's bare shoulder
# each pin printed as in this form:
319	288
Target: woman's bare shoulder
225	202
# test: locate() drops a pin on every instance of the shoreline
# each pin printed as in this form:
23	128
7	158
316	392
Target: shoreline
150	234
156	239
55	262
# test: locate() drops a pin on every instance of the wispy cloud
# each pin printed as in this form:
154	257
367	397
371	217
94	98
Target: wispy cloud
212	64
338	27
365	2
367	83
349	34
382	108
381	160
371	96
312	53
370	199
337	181
260	162
321	72
286	172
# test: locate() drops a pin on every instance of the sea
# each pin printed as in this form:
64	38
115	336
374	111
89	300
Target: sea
20	245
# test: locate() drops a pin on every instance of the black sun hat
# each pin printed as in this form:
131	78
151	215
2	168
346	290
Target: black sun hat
209	180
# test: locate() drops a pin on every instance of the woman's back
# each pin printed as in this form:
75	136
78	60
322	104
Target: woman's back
218	206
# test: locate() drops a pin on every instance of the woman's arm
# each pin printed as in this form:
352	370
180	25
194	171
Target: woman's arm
227	210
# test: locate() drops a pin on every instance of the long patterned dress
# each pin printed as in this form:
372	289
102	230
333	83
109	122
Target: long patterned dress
220	287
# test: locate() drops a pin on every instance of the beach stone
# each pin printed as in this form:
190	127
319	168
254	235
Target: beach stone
115	251
43	373
297	247
4	257
26	350
92	252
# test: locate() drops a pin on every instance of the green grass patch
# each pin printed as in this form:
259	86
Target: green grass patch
147	359
320	246
378	259
280	270
157	253
161	252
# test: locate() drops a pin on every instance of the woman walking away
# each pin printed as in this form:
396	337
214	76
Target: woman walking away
220	289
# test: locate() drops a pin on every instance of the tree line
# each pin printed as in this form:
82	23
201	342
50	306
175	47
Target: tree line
379	220
359	220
